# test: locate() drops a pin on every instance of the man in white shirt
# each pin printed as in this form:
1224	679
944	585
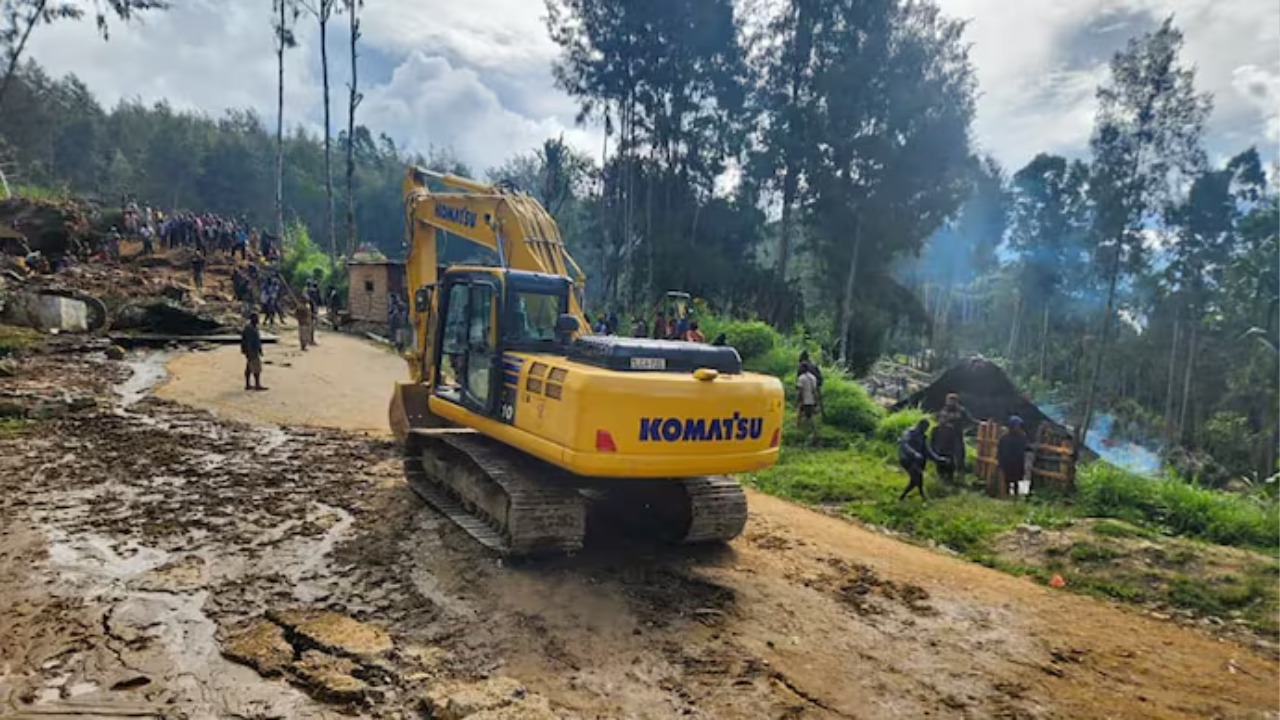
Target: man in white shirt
807	401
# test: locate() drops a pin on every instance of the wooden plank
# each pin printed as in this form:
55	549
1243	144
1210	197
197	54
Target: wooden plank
1038	472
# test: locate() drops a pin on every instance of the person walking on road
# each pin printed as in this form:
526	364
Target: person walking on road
913	453
251	347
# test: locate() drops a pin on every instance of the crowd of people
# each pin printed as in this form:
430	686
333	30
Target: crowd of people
667	325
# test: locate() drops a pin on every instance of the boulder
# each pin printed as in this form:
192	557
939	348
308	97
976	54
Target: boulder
47	312
164	318
261	645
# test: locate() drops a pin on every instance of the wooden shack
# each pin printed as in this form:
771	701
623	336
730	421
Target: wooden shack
369	281
1051	470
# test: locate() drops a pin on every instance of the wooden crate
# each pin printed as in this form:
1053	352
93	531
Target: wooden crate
1053	467
984	463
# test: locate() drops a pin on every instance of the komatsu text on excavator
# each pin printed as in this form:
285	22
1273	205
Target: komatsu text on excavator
517	421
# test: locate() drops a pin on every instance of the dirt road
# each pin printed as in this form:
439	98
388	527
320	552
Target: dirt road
151	536
326	386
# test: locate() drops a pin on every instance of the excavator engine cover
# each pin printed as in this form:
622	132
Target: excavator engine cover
636	354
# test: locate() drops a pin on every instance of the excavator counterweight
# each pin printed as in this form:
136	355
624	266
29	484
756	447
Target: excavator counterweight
518	423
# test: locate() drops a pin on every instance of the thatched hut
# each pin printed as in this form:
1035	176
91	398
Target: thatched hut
985	390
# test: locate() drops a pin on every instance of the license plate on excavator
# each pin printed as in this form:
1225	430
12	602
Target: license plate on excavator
643	363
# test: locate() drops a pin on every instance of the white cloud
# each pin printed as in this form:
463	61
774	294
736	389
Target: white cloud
1038	62
476	75
429	102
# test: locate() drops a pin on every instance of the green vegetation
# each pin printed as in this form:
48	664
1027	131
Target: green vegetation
14	339
14	427
1176	507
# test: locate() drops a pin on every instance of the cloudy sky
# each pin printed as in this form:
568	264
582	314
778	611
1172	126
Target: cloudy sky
475	75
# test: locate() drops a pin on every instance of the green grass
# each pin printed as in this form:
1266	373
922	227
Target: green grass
12	427
14	339
1178	508
36	192
866	481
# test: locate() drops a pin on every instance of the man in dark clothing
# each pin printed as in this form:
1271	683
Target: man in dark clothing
1011	455
251	347
197	270
913	453
660	326
948	437
813	367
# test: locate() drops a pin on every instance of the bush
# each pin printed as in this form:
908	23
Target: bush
1182	509
892	426
753	339
303	258
778	362
845	405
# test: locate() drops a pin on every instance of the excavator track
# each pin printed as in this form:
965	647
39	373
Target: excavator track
507	501
717	509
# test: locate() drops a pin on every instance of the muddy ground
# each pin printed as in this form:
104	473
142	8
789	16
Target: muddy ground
157	560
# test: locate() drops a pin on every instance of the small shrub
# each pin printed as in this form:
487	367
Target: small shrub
752	339
1088	553
846	406
892	426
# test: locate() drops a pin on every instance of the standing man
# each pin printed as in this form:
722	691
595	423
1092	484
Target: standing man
913	453
197	270
660	326
251	347
1011	455
948	437
807	402
305	329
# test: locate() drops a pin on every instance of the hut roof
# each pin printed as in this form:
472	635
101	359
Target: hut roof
984	390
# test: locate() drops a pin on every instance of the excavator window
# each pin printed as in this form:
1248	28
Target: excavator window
480	348
532	321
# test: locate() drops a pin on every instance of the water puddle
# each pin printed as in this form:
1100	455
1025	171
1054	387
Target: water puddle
148	372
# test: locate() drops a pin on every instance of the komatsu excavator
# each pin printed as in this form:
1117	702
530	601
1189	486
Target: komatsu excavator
517	420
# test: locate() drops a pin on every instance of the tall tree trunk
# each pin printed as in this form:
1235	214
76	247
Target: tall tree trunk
1186	383
280	46
1044	344
32	20
325	6
1013	329
1091	394
846	305
353	103
1169	388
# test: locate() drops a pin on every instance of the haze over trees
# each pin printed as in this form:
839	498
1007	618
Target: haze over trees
812	165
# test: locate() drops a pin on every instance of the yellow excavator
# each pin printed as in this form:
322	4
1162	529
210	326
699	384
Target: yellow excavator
517	420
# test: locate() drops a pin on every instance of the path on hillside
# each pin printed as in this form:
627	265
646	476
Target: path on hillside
805	615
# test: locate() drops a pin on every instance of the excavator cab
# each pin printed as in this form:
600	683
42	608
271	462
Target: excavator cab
487	313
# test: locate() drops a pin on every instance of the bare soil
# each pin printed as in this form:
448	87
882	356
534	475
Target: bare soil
141	545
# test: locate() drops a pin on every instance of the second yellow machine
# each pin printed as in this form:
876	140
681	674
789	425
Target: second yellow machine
517	420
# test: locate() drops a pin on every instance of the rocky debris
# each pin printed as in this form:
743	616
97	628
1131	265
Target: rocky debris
499	698
261	645
330	678
53	227
334	633
165	318
115	352
862	589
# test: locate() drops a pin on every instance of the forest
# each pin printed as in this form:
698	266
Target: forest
812	165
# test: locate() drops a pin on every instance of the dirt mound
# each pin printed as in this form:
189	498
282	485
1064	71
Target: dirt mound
52	227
